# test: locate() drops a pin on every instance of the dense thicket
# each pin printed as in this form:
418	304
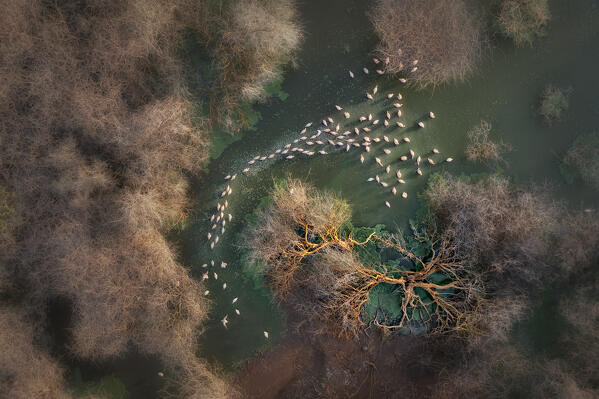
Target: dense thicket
96	134
521	241
429	41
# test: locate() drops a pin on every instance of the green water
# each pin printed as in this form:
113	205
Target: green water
504	91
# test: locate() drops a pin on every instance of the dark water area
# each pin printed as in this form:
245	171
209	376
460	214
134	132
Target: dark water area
504	91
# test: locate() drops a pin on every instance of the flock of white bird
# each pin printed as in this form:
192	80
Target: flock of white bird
327	136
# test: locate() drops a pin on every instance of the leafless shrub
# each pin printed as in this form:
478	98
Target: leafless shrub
494	224
523	20
26	371
578	241
442	36
480	147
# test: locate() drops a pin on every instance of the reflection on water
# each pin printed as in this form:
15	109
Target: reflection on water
504	91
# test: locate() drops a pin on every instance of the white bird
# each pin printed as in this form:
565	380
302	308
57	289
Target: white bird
376	60
399	113
394	191
388	204
376	88
421	124
406	139
386	122
430	161
388	115
397	105
378	179
362	118
215	275
237	312
418	160
378	160
414	69
375	122
369	117
206	292
449	160
386	138
347	115
209	235
223	265
224	286
216	239
403	80
431	114
388	169
246	170
235	299
338	108
435	151
369	96
361	158
212	245
308	124
401	181
387	151
331	120
399	96
400	124
370	179
365	70
212	262
390	95
205	265
351	74
403	158
395	141
419	171
380	71
225	321
398	173
404	194
412	155
227	177
230	217
160	374
384	184
205	276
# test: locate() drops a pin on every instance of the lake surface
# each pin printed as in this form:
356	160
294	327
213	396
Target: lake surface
504	91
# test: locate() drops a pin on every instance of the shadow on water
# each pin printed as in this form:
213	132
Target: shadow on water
505	91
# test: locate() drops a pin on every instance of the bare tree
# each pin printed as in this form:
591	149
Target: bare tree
429	41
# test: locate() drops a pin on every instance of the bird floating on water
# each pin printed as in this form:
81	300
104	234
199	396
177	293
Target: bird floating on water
421	124
431	114
435	151
449	160
266	334
225	321
404	195
387	204
365	70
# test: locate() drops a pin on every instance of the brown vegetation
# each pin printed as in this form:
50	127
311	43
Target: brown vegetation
25	370
443	36
251	41
480	147
493	224
96	135
301	243
583	156
523	20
